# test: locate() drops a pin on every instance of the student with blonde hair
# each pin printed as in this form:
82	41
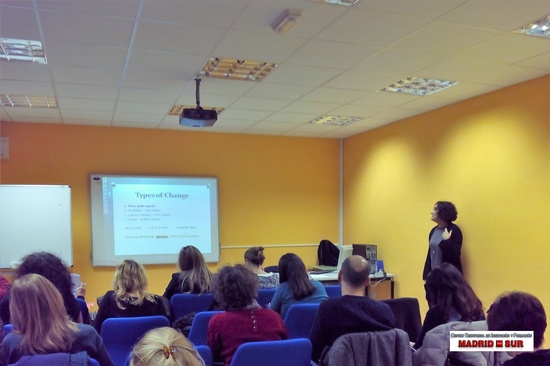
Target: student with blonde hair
194	276
129	297
164	347
41	325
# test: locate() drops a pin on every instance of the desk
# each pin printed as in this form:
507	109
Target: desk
374	292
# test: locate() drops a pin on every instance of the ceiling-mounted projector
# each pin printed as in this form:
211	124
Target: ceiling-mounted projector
198	117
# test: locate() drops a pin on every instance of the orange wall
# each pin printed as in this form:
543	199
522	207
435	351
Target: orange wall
490	156
271	190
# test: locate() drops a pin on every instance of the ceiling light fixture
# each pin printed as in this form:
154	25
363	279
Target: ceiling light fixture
419	86
27	101
22	50
234	69
335	120
540	28
286	20
342	2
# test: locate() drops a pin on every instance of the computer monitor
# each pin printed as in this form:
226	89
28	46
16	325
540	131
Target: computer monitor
367	251
345	252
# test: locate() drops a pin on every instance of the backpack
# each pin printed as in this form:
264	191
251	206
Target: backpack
327	253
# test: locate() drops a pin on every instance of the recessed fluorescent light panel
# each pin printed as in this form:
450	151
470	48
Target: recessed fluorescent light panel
419	86
177	109
540	28
234	69
340	2
27	101
335	120
22	50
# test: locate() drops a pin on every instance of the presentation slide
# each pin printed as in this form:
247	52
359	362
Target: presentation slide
151	218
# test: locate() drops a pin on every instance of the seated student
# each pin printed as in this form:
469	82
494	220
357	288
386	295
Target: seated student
129	296
450	298
244	320
253	260
53	268
512	311
521	311
4	286
194	276
353	312
41	325
296	287
164	347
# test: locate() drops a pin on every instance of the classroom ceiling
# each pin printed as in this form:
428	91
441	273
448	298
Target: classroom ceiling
126	63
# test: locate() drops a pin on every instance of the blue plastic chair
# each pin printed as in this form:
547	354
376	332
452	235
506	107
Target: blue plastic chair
199	327
206	354
291	352
183	304
120	334
7	329
84	311
299	319
334	291
265	295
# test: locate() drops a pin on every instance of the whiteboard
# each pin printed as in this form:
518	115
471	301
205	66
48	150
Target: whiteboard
35	218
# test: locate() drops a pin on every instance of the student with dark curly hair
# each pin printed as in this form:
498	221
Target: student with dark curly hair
53	268
445	238
450	298
194	276
296	286
244	320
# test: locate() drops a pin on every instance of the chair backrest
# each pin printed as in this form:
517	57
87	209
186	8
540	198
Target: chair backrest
299	319
183	304
199	327
407	315
84	311
7	329
265	295
120	334
294	352
206	354
334	291
93	362
388	348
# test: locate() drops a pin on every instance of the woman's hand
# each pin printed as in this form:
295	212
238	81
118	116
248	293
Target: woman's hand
446	234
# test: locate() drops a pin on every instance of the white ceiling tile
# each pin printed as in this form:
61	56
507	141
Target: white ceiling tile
260	104
370	28
537	62
121	8
302	75
19	23
361	80
445	38
331	54
85	75
398	62
104	105
74	54
86	91
510	48
310	107
430	9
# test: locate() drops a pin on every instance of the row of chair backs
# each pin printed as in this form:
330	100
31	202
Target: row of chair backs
7	329
199	327
407	315
295	352
334	291
265	295
299	319
183	304
120	334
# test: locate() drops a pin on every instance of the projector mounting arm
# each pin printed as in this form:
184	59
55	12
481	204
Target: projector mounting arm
198	84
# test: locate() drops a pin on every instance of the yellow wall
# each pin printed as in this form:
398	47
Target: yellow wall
271	190
491	157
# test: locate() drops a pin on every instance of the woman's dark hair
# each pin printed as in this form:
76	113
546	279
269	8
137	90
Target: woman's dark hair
518	311
446	211
293	271
255	255
235	287
447	288
52	268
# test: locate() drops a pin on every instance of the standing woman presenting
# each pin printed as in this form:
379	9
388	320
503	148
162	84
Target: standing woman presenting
445	238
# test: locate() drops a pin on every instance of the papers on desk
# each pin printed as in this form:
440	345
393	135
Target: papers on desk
333	276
